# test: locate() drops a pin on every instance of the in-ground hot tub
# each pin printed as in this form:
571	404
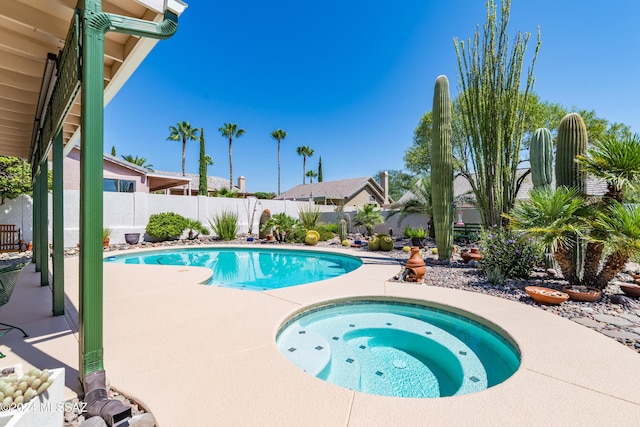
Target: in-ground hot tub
393	348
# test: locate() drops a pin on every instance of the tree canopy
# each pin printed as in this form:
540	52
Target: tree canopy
15	177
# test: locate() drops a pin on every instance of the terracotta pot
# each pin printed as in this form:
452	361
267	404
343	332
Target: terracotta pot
546	295
474	250
630	289
105	242
582	293
415	266
468	256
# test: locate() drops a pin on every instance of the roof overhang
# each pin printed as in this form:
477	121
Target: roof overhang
34	31
163	182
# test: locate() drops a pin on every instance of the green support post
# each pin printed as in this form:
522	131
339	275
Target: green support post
58	227
36	222
94	24
91	204
43	227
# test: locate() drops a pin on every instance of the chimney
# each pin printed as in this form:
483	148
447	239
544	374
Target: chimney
384	183
242	184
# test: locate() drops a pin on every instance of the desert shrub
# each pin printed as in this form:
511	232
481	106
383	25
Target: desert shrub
418	232
225	225
283	226
507	254
194	225
264	195
166	225
309	216
331	228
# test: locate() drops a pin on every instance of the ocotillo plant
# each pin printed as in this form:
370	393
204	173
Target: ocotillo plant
442	168
541	158
571	142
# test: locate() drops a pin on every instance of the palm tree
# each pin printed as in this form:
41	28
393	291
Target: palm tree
278	135
369	217
304	151
230	130
311	174
140	161
420	203
183	131
616	161
556	217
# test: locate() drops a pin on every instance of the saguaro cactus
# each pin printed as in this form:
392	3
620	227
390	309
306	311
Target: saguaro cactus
541	158
572	140
442	168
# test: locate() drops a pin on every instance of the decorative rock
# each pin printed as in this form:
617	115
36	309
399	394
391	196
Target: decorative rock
620	334
142	420
551	272
630	317
93	422
585	321
612	320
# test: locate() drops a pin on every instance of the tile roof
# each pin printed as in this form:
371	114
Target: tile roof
338	189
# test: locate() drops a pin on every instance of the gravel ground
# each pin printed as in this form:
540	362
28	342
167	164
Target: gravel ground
618	318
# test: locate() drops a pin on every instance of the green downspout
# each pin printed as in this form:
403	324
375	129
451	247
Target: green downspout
94	24
43	224
58	227
36	221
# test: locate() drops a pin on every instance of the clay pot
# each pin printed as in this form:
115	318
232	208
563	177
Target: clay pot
546	295
630	289
415	266
582	293
468	256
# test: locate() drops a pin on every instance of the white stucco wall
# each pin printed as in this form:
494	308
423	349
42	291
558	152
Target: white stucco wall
130	212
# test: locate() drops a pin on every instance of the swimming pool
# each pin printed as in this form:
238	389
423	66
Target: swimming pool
251	268
398	349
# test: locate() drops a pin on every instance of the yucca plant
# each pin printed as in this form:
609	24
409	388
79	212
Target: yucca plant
225	225
309	216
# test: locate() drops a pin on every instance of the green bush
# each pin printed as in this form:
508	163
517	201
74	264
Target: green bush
283	226
332	228
507	254
166	225
225	225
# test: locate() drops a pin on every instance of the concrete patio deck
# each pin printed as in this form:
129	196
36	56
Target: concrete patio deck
206	356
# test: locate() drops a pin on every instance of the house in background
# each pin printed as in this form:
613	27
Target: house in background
121	176
464	198
214	183
347	192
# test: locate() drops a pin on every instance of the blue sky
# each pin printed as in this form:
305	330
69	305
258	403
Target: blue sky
350	79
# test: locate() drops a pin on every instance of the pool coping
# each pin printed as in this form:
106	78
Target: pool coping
202	355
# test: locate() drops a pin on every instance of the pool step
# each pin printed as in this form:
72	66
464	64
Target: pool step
306	349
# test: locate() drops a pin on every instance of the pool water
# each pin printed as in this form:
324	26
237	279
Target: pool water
397	349
249	268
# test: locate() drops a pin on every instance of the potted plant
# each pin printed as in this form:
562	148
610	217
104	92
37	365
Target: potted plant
416	235
106	234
